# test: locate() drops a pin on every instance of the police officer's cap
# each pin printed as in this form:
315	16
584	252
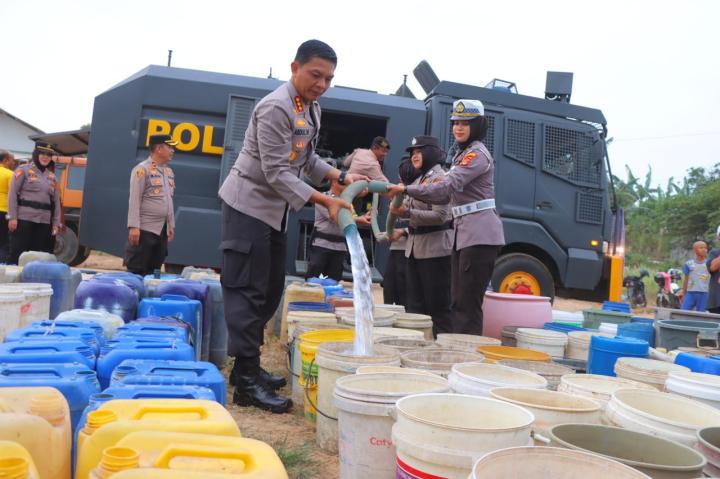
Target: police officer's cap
381	141
467	110
160	139
423	140
45	147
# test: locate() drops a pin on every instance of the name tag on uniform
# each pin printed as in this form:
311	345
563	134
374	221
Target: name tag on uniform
301	131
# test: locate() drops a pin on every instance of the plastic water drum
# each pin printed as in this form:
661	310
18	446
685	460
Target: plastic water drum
11	303
76	382
108	321
59	324
48	351
115	352
218	332
180	307
198	291
698	364
167	321
58	275
153	331
113	296
604	352
37	301
135	280
152	281
86	335
638	330
173	373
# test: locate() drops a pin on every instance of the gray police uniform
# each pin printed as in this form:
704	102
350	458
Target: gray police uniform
34	202
263	184
150	208
478	234
428	250
328	247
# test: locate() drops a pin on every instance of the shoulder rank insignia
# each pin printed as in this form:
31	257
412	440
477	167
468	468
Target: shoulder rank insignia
467	159
299	104
19	172
140	172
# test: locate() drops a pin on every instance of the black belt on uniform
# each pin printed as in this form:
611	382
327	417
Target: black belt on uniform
423	230
35	204
329	237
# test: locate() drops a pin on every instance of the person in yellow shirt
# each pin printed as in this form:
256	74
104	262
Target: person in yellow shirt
7	165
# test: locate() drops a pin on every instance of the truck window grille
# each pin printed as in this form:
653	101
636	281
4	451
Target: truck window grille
520	140
569	155
589	208
238	118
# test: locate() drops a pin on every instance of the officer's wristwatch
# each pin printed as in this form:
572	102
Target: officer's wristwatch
341	178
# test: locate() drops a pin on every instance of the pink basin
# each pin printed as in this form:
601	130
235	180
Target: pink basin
503	309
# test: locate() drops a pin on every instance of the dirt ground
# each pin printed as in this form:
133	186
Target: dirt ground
291	434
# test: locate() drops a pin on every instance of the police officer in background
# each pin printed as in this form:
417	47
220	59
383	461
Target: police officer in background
478	233
368	162
33	205
429	243
7	165
262	186
151	215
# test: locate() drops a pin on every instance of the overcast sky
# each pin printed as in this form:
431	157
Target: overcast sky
653	67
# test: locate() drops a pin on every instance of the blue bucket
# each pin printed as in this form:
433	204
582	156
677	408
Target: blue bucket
604	352
699	364
616	307
310	306
643	331
637	319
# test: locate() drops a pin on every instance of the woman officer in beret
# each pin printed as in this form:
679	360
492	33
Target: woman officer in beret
33	205
478	231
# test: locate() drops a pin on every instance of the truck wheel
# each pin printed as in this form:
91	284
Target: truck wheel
66	245
82	255
519	273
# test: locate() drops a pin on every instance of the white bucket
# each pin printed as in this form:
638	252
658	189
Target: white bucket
438	361
551	342
295	318
405	344
477	379
11	304
704	388
709	446
648	371
550	371
466	342
551	408
661	414
567	316
578	346
597	387
418	322
364	403
391	370
550	462
610	329
396	333
334	361
444	434
395	308
37	301
12	273
109	322
381	317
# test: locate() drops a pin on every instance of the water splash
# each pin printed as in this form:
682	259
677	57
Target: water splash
362	293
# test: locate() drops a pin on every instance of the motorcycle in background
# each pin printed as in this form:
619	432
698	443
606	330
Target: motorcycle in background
636	289
668	288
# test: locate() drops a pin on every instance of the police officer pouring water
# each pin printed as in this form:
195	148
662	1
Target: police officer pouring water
33	205
478	230
261	188
151	215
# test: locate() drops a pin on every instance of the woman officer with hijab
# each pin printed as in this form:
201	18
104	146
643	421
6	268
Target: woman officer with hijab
429	241
33	205
478	232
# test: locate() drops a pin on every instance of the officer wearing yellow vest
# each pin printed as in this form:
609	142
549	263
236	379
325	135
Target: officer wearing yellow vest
151	214
478	234
7	165
261	188
33	205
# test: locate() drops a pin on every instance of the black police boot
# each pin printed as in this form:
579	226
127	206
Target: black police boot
275	382
252	390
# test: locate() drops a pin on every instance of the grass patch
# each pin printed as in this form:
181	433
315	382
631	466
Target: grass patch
297	460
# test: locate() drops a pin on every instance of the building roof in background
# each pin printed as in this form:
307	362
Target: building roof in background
38	130
68	143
